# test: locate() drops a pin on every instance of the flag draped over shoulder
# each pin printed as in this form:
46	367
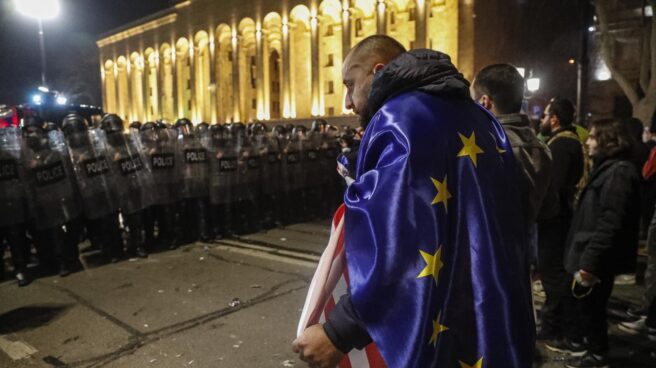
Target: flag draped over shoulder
434	238
328	284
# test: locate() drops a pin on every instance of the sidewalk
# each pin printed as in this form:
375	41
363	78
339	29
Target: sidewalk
233	303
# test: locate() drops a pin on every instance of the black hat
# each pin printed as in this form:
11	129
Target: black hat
147	125
33	121
111	123
74	123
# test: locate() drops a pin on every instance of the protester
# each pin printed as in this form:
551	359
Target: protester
554	221
602	241
500	89
430	223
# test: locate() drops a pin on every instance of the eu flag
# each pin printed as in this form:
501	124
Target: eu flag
434	238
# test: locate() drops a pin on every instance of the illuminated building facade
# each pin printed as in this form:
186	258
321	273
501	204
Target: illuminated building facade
246	60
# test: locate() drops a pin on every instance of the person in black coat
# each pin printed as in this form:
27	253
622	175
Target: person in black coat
603	238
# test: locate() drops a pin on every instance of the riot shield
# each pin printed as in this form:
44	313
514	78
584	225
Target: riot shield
159	149
95	175
193	165
12	178
223	166
134	182
51	190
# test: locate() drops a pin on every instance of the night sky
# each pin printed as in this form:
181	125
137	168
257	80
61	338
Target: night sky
550	38
71	52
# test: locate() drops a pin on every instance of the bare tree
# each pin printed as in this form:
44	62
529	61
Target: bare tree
642	95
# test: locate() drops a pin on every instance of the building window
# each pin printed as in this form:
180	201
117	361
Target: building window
411	14
358	27
254	103
329	30
392	18
331	111
253	72
275	107
229	54
412	45
331	62
330	88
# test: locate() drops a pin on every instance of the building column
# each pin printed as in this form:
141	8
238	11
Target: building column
192	80
174	79
420	24
346	29
315	65
213	82
286	72
236	95
259	82
103	83
381	17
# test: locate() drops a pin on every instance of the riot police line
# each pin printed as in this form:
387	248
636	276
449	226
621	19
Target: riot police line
156	185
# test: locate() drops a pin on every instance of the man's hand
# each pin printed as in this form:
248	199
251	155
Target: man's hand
315	348
587	276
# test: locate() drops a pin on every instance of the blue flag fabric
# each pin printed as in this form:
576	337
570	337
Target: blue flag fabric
434	238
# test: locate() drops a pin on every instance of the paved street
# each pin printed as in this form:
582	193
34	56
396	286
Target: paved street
233	303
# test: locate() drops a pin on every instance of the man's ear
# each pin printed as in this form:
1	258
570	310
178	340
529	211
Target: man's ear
378	67
486	102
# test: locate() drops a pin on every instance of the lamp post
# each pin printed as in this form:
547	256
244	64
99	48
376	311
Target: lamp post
41	10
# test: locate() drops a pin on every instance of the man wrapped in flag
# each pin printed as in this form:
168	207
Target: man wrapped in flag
433	249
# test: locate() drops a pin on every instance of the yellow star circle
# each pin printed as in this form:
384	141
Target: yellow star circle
469	148
433	264
443	194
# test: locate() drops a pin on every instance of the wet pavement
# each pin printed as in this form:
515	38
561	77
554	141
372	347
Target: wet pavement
233	303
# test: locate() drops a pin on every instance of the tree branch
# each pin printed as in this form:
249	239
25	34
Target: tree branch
645	58
621	80
652	45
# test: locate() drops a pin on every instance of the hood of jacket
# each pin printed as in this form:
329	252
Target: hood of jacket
421	70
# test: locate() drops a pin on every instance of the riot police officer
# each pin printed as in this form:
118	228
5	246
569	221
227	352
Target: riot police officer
193	166
13	206
222	178
159	147
96	184
52	197
134	184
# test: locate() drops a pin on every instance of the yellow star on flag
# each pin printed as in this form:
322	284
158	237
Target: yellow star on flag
433	264
469	147
437	329
478	364
443	194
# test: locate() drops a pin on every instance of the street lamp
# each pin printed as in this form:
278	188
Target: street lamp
41	10
533	84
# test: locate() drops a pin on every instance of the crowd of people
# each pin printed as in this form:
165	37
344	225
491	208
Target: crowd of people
585	200
582	196
156	185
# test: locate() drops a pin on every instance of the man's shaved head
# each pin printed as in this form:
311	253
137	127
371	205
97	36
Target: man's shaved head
363	60
378	48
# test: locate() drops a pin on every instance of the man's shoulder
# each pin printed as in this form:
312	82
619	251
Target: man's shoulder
415	105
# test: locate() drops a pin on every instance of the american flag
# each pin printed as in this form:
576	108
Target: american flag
329	283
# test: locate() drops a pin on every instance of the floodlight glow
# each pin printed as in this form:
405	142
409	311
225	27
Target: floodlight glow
40	9
37	99
591	29
61	100
602	73
533	84
44	89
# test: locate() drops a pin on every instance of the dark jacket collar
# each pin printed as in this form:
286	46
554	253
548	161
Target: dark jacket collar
600	164
516	119
421	70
